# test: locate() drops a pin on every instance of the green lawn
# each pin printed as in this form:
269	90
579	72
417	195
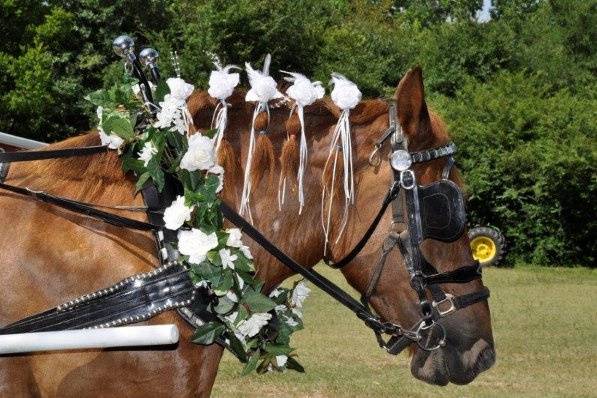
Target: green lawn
545	328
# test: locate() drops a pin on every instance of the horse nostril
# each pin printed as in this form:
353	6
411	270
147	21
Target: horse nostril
485	360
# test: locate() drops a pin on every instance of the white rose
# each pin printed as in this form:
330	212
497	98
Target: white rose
346	94
303	91
253	325
179	89
227	258
196	244
148	151
177	213
200	155
234	237
222	83
299	294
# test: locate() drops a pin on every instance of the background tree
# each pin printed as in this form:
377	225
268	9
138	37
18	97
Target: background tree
518	91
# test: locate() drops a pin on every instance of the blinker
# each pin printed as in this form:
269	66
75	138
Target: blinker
401	160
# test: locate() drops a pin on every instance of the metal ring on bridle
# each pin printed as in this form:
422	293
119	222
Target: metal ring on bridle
425	342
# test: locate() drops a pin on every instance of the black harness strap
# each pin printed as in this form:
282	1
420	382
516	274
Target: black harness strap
81	208
51	154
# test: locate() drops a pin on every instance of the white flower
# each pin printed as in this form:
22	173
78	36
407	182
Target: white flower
241	282
232	296
179	89
246	252
275	293
227	258
280	308
346	94
196	244
263	86
303	91
232	317
200	155
299	294
148	151
177	213
253	325
234	237
221	82
281	360
111	140
291	322
202	283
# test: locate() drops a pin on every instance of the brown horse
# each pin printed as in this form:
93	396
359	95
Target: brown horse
49	255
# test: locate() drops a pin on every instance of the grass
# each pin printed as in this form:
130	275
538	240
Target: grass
545	328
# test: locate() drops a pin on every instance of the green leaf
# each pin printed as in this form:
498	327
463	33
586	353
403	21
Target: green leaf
120	124
237	348
294	365
257	302
278	349
207	333
225	305
251	364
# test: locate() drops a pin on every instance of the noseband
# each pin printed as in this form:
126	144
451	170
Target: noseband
435	211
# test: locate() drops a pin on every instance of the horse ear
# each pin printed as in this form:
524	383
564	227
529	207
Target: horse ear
412	109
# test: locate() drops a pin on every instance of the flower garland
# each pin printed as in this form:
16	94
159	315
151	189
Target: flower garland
256	328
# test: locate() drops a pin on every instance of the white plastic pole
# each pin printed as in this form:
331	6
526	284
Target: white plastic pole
127	336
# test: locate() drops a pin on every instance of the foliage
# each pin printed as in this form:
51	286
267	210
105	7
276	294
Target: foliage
529	157
532	53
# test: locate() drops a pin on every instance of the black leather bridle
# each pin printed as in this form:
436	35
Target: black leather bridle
134	299
420	217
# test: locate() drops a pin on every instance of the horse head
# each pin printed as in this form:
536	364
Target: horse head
469	347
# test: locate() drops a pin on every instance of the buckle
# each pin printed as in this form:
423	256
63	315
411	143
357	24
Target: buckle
440	306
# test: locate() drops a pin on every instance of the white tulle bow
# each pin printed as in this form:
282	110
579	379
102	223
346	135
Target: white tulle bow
304	92
221	86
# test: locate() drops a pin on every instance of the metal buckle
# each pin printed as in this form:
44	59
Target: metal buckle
439	304
411	175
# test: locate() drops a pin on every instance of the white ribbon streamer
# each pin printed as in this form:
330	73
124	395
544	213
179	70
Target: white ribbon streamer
304	93
346	96
263	89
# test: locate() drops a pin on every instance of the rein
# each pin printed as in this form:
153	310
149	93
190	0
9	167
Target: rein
408	242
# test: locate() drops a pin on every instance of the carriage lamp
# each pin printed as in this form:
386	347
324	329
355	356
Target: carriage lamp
148	58
400	160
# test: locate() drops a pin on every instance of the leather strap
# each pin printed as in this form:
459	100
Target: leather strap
10	157
82	208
